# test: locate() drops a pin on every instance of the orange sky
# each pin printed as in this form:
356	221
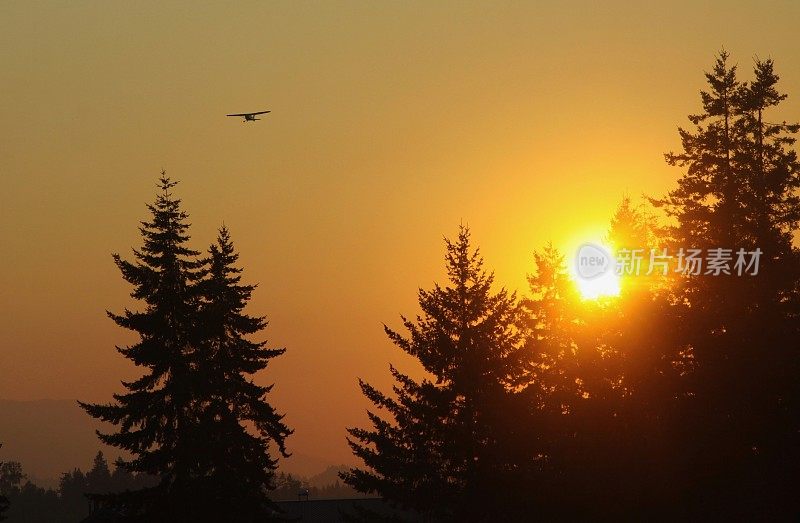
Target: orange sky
391	123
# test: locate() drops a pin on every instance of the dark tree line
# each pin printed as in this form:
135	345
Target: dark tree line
4	503
677	401
289	488
68	503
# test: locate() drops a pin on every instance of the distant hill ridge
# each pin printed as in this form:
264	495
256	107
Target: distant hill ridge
48	436
329	476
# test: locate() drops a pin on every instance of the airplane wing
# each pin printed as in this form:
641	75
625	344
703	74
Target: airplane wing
248	114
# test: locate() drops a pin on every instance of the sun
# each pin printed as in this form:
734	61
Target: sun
605	285
600	281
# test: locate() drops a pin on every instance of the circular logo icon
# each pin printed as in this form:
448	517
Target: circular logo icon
591	261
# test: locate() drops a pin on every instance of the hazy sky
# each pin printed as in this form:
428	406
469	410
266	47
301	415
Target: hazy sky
391	123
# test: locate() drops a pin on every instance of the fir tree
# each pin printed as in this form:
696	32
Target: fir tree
769	162
575	384
239	468
72	490
98	479
604	374
554	329
706	200
447	450
156	417
740	415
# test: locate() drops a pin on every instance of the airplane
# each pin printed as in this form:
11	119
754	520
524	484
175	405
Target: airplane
249	117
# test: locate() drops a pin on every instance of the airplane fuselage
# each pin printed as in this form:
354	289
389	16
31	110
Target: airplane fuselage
249	117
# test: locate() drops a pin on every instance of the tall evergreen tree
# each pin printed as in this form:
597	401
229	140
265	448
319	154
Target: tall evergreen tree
157	418
605	376
769	162
739	191
448	445
238	423
555	327
706	197
577	384
646	368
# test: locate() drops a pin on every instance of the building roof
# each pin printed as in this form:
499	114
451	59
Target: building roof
334	510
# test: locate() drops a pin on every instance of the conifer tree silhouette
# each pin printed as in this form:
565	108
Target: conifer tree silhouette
443	449
741	415
72	490
196	421
238	460
156	418
576	372
98	479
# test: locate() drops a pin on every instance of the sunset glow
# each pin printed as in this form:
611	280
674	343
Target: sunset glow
603	285
422	261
